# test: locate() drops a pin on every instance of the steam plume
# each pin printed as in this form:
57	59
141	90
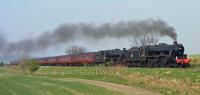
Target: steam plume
68	32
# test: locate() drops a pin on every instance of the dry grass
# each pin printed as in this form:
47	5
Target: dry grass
156	82
195	59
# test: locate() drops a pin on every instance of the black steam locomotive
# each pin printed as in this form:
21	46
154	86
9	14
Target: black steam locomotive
161	55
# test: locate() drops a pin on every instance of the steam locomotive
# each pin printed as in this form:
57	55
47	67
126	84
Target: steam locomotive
161	55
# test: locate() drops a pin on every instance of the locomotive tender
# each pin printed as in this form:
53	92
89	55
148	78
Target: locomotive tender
161	55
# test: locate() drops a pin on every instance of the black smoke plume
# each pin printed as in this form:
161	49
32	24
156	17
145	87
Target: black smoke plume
69	32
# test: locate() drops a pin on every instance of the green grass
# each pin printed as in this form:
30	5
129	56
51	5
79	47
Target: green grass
32	85
169	81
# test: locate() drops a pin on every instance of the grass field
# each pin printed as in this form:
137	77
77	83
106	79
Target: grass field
100	80
168	81
11	84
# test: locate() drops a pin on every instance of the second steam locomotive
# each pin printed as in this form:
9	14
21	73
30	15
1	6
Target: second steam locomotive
161	55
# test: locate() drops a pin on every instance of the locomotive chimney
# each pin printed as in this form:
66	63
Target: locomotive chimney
124	49
175	42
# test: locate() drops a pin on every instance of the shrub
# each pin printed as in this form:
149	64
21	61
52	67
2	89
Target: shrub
33	65
28	64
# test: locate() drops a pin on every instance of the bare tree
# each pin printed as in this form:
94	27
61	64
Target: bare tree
22	62
26	63
149	39
75	50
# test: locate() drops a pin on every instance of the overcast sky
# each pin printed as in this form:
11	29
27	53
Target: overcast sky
21	19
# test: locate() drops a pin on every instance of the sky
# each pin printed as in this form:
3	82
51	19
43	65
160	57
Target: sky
22	19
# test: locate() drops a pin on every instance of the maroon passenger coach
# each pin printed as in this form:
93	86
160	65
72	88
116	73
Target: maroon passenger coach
68	60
